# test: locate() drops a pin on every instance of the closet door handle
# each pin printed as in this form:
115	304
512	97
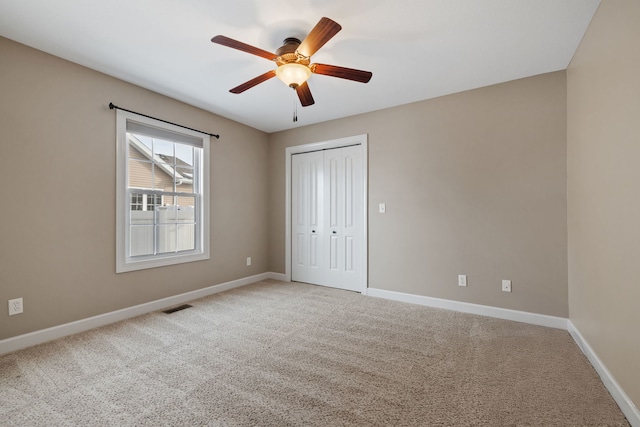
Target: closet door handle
313	231
335	232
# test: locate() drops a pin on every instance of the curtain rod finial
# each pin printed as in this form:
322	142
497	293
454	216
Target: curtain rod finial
111	106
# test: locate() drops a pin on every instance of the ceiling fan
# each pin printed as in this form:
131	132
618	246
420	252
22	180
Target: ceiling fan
294	61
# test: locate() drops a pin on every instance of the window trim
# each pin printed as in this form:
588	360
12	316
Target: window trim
124	263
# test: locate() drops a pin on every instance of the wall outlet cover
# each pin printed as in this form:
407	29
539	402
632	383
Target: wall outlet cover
15	306
506	286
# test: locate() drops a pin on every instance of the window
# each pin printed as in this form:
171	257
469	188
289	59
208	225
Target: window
162	209
145	202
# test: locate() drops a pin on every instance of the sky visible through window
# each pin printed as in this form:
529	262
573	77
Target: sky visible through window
166	149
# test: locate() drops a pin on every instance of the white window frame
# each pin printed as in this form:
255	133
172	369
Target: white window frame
126	263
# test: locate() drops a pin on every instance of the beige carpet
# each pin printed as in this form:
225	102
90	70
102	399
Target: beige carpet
282	354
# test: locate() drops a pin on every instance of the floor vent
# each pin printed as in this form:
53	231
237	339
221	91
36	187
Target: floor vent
178	308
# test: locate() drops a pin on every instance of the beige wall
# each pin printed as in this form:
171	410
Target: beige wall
603	136
57	237
475	184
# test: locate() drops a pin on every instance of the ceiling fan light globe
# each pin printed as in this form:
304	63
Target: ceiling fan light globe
293	75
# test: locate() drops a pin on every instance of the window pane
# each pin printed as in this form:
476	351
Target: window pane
163	151
140	174
184	184
166	238
186	203
184	155
141	240
186	215
141	217
168	200
186	237
138	149
166	215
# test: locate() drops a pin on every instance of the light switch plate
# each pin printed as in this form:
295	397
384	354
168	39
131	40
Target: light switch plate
382	207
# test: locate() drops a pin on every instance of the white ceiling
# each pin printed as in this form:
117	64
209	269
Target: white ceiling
416	49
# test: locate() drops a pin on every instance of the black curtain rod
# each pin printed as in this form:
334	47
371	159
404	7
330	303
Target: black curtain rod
111	107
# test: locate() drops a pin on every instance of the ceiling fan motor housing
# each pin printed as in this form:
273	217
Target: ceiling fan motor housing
287	53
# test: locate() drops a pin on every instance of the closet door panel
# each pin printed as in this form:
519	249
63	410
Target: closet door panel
307	219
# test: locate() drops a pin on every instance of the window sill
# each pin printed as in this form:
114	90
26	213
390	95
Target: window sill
123	266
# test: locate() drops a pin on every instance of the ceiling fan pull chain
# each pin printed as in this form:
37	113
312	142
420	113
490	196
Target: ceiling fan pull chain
295	107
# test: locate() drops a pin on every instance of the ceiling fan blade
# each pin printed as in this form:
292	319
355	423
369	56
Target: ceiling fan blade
304	93
341	72
255	81
324	30
235	44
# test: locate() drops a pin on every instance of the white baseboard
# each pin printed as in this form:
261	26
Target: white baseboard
278	276
626	405
38	337
465	307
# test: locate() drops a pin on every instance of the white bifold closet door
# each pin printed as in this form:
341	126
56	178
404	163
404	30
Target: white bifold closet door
327	203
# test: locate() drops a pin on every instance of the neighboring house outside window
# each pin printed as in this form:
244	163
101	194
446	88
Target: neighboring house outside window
145	202
163	207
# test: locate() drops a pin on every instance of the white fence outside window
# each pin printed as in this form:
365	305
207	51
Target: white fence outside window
168	229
